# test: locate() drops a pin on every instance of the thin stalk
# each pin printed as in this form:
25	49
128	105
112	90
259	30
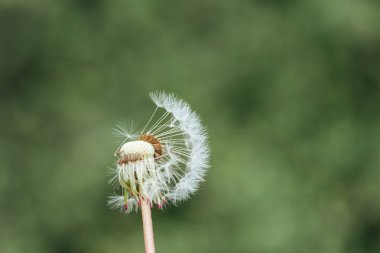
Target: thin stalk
148	227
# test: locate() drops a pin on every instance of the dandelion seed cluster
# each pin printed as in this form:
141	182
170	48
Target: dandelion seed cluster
165	162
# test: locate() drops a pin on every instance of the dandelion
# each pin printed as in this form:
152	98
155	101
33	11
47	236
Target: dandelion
162	164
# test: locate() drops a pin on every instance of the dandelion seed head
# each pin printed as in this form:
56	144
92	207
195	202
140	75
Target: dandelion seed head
166	161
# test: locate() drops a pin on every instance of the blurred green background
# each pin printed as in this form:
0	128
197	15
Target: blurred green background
289	91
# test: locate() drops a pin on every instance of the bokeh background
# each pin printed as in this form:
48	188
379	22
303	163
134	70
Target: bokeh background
289	91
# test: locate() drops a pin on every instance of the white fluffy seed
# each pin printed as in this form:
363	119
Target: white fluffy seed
137	148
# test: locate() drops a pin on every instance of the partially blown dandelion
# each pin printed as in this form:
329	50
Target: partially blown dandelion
165	162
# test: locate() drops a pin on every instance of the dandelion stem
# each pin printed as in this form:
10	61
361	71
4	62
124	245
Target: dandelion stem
148	227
